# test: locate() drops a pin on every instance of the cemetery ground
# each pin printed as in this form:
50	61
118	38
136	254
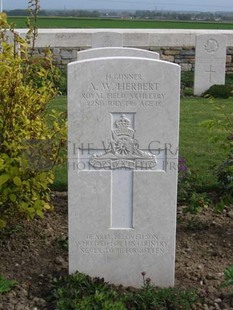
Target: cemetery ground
35	253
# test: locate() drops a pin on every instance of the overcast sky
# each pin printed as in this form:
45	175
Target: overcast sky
179	5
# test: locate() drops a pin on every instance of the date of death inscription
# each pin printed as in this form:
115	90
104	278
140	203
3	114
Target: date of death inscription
129	244
123	90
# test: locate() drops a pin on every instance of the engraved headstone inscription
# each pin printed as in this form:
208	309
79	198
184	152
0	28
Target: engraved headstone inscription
116	51
123	116
107	39
210	62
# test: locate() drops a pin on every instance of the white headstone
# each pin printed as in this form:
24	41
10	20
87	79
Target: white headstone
116	51
107	39
123	137
210	62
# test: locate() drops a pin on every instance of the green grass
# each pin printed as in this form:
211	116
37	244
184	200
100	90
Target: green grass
196	142
69	22
201	154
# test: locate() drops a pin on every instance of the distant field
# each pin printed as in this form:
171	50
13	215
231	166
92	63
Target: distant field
68	22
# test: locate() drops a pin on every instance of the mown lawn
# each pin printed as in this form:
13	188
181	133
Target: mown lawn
201	147
70	22
196	141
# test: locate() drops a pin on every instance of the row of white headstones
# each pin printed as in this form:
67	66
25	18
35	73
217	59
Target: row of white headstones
123	120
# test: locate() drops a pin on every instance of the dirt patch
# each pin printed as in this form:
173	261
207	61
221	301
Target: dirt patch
36	253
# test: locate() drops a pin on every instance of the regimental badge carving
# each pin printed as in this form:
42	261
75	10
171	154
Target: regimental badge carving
211	46
123	150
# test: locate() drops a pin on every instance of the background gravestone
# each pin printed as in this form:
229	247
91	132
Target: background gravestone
107	39
210	62
123	138
116	51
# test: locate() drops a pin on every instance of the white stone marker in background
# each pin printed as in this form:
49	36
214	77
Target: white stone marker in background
210	62
116	51
123	117
107	39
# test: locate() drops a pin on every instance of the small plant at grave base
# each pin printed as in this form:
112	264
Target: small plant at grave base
81	292
62	243
219	91
29	146
6	285
197	202
154	298
184	181
228	277
224	173
187	193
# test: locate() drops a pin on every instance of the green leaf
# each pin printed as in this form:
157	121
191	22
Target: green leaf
4	178
17	181
12	197
2	224
40	213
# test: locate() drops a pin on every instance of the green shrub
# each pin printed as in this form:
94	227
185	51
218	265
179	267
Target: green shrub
28	145
81	292
162	299
224	174
219	91
188	194
62	83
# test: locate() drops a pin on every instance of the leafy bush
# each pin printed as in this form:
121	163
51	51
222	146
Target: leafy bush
150	297
187	191
81	292
28	145
219	91
62	83
224	174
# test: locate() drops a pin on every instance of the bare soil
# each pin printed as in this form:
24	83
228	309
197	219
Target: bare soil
35	253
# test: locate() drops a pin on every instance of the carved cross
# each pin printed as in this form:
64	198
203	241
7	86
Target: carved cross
121	158
210	73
